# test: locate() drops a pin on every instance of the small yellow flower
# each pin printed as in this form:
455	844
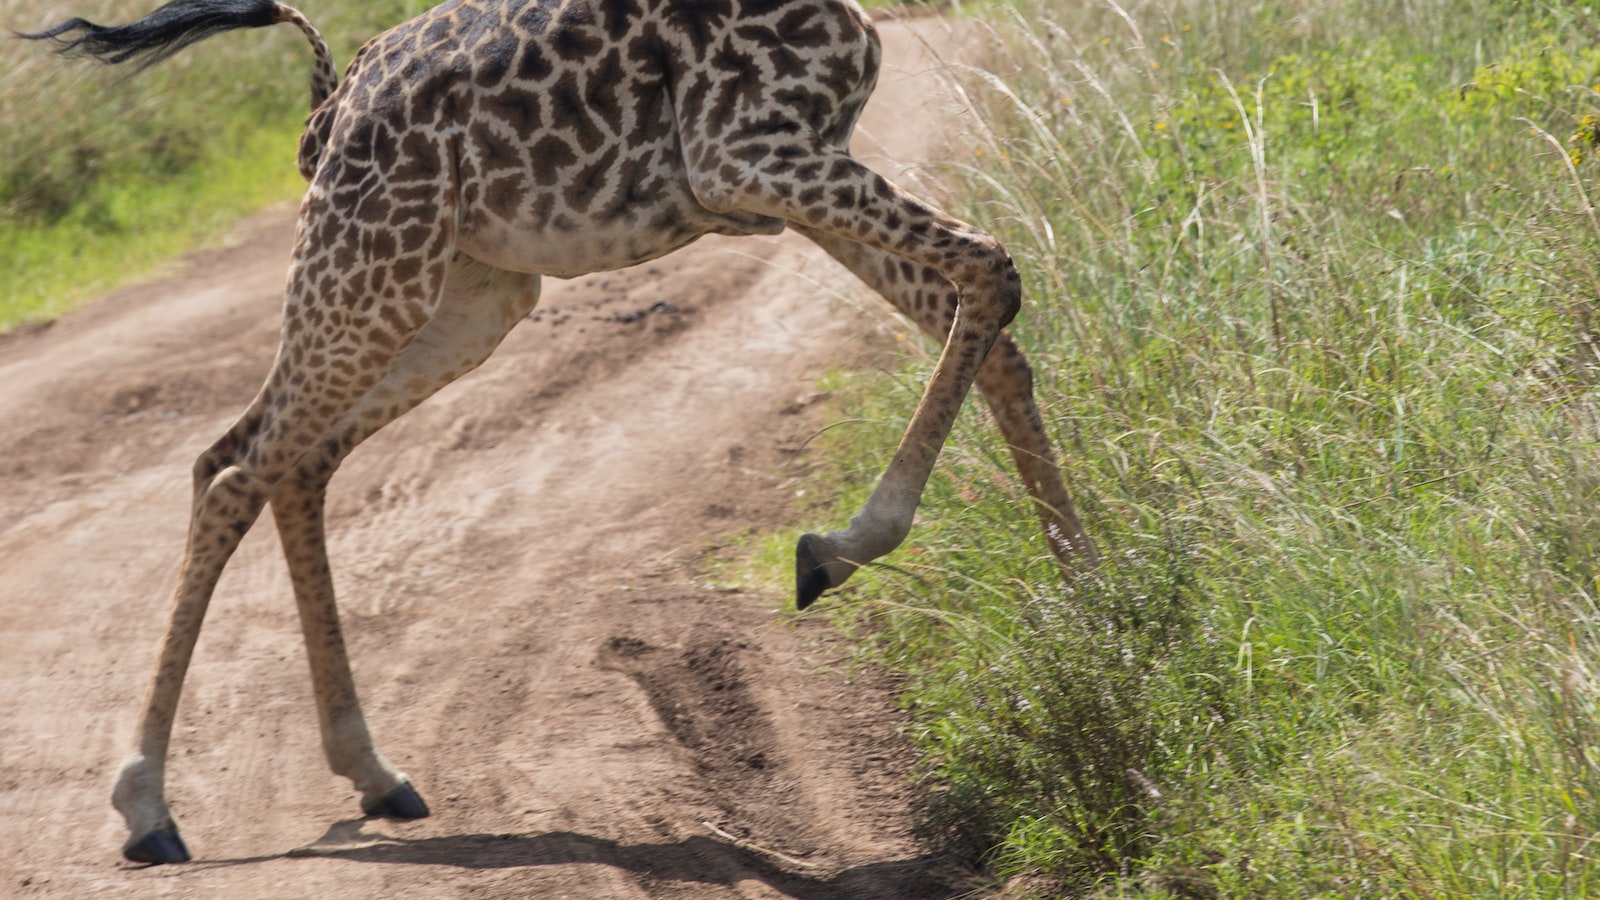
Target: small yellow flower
1166	38
1155	65
1187	27
1227	126
978	151
1066	101
1161	126
1105	42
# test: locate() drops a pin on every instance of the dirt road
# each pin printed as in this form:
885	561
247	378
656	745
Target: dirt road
520	563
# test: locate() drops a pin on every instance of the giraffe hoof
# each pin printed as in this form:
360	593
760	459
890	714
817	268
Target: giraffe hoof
160	846
810	577
401	803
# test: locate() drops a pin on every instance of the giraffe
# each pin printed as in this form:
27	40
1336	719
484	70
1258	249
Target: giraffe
486	144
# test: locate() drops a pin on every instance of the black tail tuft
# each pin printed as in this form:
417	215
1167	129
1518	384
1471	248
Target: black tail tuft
160	34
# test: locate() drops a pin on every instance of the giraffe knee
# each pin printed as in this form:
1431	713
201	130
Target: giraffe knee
992	288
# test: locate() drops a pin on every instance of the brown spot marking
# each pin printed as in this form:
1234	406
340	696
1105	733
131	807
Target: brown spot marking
549	157
589	181
494	150
516	108
504	196
570	113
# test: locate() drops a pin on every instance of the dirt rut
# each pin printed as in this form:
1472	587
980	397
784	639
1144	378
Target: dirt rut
520	570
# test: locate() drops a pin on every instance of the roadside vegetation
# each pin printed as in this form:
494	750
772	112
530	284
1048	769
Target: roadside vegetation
1312	298
103	176
1312	290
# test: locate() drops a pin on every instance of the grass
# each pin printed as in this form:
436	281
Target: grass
1311	300
1311	303
103	176
134	224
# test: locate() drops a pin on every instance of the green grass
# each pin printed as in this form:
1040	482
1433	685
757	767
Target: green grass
104	174
132	225
1311	301
1312	292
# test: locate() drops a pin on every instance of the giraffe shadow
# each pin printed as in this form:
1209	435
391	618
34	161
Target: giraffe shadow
693	860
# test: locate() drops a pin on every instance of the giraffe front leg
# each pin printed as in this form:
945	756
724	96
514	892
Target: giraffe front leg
852	203
1005	381
779	148
825	561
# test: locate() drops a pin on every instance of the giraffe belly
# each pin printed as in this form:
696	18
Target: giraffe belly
564	245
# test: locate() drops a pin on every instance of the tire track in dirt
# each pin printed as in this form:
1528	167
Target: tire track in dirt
520	569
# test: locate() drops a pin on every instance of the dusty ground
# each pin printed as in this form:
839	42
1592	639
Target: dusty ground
521	569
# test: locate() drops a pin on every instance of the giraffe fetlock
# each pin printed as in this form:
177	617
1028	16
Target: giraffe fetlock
139	795
824	561
386	792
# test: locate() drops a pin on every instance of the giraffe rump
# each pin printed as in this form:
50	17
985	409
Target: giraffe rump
159	35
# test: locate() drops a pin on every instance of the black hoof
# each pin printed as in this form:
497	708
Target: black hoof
810	578
160	846
401	803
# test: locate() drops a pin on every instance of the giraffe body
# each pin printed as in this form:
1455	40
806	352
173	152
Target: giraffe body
487	143
564	170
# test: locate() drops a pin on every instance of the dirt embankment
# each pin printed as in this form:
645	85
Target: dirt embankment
519	563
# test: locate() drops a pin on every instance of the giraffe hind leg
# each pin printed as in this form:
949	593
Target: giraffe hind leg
479	307
227	501
859	205
320	373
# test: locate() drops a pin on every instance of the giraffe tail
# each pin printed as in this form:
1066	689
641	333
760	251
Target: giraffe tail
180	23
